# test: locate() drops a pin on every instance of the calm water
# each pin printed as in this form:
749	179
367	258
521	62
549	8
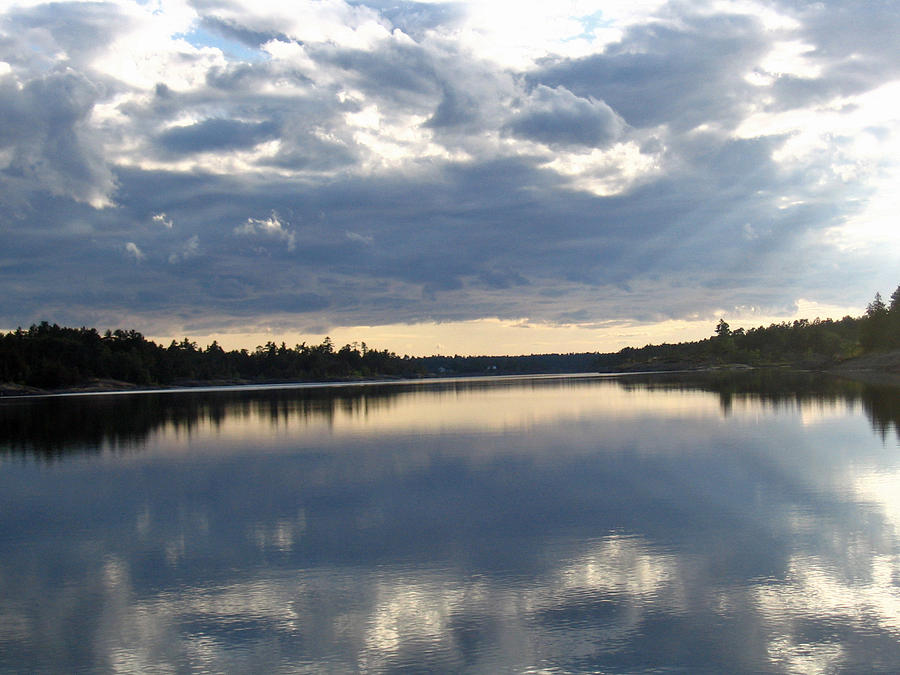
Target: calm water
580	524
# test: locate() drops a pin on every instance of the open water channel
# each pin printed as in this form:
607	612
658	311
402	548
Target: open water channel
553	524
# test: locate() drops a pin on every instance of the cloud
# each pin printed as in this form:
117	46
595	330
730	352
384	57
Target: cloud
189	249
679	75
455	109
216	135
132	250
163	220
61	32
270	227
47	140
418	19
558	117
620	564
361	238
424	162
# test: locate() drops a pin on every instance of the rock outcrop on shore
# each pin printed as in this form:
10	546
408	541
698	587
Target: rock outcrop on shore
878	368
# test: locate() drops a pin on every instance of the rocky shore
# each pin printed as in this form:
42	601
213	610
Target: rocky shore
877	368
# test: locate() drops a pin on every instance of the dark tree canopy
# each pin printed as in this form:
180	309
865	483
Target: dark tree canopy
50	356
817	343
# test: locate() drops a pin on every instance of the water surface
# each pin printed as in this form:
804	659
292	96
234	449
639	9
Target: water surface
568	524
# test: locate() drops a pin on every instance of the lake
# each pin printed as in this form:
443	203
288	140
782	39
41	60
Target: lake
677	523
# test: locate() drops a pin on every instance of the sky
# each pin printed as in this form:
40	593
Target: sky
485	177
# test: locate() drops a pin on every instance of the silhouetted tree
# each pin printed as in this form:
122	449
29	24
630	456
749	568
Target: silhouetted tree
875	328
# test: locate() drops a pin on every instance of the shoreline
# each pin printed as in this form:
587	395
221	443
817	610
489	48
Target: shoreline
879	368
882	368
105	386
13	391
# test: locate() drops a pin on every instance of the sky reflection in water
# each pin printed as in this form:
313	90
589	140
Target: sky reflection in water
550	525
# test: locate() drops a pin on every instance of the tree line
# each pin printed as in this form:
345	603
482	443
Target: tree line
811	344
49	356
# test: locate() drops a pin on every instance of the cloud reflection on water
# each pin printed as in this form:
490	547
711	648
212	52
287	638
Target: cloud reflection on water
597	526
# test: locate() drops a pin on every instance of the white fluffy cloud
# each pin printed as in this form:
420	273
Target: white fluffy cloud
270	227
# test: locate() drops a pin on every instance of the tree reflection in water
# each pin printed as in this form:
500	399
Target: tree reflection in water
49	427
697	523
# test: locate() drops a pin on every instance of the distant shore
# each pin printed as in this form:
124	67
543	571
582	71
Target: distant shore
881	368
100	386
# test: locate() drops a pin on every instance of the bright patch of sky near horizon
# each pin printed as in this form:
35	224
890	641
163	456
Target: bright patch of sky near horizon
496	337
435	176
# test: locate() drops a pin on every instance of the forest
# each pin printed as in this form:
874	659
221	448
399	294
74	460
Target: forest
47	356
820	343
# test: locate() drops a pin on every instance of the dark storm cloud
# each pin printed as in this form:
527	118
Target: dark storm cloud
217	134
455	109
243	78
48	142
79	29
529	237
403	70
447	219
866	32
502	278
305	151
864	28
250	38
662	74
558	117
292	121
46	103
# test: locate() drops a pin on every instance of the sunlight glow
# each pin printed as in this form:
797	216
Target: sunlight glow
606	172
513	404
511	337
